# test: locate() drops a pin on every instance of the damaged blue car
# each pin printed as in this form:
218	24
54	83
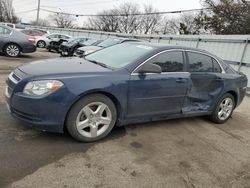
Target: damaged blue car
124	84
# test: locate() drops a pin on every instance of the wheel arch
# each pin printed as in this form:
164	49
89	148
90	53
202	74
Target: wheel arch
93	92
235	95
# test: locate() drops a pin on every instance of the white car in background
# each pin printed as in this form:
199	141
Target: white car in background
13	26
43	41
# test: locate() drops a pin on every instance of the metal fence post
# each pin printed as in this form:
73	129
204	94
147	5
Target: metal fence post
198	42
243	54
159	39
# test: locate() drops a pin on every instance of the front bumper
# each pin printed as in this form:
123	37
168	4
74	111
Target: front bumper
29	48
47	113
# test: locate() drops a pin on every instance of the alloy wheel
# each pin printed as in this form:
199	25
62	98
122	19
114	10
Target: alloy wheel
225	109
12	50
41	44
94	119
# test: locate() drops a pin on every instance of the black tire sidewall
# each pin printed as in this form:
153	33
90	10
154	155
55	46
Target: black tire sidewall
214	116
78	106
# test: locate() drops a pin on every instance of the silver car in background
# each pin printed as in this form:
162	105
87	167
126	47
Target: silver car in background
13	42
43	41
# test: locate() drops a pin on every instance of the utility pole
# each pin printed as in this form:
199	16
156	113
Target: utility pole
38	12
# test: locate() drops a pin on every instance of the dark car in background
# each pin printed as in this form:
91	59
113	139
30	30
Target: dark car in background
69	48
123	84
83	51
54	44
13	42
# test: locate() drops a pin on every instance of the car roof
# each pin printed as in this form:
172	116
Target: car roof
59	34
5	26
160	46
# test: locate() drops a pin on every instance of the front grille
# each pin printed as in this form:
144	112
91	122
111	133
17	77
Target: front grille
18	79
12	81
14	78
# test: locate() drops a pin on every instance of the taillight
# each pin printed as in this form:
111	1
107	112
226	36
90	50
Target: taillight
32	41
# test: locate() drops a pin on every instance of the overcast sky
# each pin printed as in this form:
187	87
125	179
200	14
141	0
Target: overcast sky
94	6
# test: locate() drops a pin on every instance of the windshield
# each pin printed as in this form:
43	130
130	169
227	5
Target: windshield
109	42
89	42
119	56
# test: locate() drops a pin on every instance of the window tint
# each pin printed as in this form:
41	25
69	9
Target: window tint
169	61
53	36
63	37
217	67
200	63
4	31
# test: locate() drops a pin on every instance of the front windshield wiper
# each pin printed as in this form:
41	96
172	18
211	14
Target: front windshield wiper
98	63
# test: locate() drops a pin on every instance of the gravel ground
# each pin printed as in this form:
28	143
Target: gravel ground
191	152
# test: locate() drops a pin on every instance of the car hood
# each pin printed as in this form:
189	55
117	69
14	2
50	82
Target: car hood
60	66
90	48
67	44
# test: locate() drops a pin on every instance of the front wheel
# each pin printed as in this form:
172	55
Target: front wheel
91	118
224	109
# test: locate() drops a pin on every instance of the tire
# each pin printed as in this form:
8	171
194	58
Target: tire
91	118
12	50
224	109
41	44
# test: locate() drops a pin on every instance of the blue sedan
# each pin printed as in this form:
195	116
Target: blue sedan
124	84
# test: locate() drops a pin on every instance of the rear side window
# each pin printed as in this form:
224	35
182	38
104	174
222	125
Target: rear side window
53	36
63	37
169	61
4	31
202	63
217	67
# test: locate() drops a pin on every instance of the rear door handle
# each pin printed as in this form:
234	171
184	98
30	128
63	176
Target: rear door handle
180	80
219	79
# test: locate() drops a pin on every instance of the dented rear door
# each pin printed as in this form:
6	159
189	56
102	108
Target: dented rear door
206	83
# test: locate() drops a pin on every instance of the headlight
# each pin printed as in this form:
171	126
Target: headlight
43	87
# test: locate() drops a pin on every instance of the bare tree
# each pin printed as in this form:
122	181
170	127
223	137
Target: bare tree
7	13
127	18
150	22
183	24
41	22
63	20
106	21
128	21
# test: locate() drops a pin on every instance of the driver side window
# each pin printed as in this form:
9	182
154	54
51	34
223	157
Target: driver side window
171	61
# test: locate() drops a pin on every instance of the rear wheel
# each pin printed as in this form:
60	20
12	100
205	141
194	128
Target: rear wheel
41	44
12	50
92	118
224	109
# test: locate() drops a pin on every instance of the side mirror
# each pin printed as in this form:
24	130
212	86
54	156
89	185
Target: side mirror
150	68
